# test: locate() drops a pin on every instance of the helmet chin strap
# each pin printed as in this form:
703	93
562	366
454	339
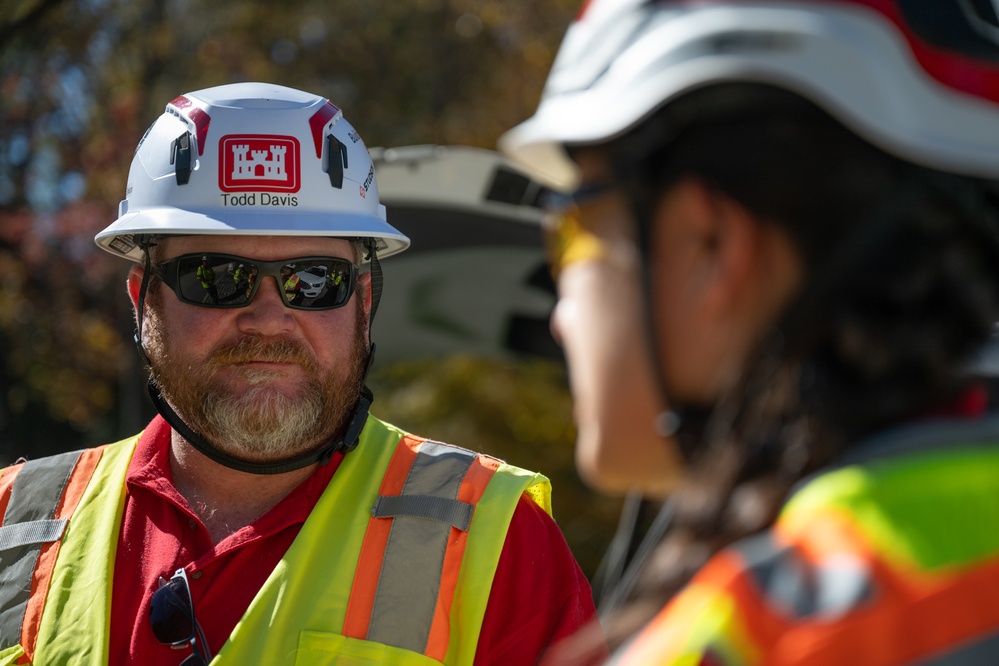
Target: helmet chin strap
345	444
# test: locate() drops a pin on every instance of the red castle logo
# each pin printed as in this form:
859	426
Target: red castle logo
259	163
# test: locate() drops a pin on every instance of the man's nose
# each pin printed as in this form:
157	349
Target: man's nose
267	314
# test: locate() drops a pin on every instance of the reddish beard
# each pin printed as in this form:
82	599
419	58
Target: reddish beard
254	420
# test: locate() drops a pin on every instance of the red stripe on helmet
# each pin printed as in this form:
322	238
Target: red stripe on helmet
197	116
318	123
974	77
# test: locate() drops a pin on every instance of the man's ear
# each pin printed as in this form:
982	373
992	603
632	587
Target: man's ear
133	284
364	282
364	285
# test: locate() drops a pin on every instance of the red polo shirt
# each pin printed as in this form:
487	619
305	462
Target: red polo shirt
539	594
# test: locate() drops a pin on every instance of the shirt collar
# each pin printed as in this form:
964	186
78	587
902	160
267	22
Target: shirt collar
150	470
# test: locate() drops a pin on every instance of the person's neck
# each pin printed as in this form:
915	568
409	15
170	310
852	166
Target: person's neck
225	499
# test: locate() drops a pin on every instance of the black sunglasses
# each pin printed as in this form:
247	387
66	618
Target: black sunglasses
227	281
171	612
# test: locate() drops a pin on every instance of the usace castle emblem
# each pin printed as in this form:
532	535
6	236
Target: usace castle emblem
259	163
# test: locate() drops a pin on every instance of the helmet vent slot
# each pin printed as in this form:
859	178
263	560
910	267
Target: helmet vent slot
180	157
336	154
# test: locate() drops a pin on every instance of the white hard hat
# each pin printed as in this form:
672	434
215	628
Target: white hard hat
251	159
915	78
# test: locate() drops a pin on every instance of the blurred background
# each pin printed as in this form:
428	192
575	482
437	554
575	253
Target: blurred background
463	349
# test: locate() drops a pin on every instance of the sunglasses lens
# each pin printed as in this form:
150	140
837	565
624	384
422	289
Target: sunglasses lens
214	280
171	613
225	281
567	241
318	284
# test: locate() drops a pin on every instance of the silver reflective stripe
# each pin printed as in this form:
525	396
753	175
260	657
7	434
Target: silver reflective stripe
439	509
38	487
410	578
27	534
828	589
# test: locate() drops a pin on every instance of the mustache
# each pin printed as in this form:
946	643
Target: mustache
253	348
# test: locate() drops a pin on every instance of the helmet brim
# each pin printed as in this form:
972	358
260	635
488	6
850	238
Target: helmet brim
119	238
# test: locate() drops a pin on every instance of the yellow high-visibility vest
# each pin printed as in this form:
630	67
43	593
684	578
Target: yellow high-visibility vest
341	593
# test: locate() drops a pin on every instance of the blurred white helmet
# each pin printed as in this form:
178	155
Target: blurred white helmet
251	159
916	78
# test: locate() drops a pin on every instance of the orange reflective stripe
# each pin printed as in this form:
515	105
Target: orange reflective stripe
675	632
910	621
6	485
362	591
760	623
911	616
78	480
472	487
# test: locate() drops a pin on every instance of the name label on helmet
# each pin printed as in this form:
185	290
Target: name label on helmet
261	198
258	163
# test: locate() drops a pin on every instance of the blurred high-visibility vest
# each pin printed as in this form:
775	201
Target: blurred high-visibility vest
891	558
